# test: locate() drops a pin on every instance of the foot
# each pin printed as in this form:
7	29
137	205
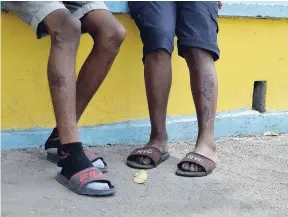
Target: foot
74	160
203	148
53	143
161	145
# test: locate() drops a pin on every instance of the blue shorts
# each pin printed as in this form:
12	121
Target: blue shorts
194	23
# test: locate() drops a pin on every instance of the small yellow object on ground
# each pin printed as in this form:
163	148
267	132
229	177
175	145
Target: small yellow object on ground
271	134
140	177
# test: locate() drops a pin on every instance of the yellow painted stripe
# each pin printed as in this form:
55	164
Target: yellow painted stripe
251	49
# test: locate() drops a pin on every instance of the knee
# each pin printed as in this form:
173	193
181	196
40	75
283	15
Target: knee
68	32
111	39
198	59
119	35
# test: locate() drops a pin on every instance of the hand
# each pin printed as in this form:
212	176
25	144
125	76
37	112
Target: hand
219	4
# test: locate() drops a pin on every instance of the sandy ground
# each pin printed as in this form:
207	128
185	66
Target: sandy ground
251	179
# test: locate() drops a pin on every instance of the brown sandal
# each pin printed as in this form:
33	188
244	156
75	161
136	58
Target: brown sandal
207	164
153	153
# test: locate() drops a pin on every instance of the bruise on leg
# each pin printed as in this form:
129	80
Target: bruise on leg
65	31
56	80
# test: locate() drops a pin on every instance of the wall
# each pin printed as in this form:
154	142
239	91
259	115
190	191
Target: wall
251	50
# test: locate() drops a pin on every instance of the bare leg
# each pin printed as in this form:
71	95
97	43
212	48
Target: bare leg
158	76
65	34
107	38
108	35
204	88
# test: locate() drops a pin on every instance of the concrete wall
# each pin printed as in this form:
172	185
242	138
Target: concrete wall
251	50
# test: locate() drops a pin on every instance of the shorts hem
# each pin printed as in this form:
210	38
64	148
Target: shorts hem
212	48
42	14
85	9
155	46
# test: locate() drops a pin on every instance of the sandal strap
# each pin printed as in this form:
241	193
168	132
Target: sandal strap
91	156
153	153
81	179
206	163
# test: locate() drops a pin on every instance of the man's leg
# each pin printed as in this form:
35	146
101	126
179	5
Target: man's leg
197	34
62	28
65	32
204	86
52	18
108	35
158	77
157	32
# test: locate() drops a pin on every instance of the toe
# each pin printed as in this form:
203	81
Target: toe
146	161
185	166
198	168
192	167
140	160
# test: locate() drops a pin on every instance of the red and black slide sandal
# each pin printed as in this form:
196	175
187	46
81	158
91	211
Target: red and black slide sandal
78	183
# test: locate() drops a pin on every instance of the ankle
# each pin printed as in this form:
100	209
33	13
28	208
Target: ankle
70	148
206	135
162	138
161	144
68	134
206	143
158	136
73	159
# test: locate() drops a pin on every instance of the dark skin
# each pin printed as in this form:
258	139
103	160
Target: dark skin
107	41
203	81
204	88
61	75
70	98
219	4
65	34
